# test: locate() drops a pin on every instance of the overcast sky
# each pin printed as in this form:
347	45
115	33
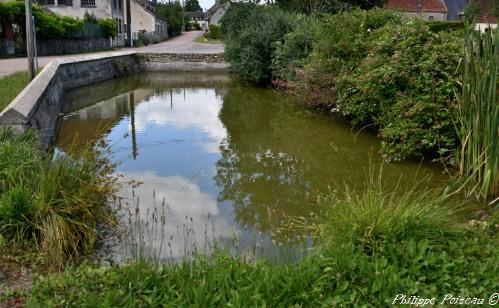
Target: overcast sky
205	4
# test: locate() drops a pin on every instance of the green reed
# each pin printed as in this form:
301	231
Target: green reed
478	114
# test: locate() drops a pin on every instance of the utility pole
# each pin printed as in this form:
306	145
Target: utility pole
29	40
129	41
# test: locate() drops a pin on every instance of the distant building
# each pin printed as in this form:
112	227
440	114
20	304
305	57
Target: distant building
145	20
199	18
426	9
217	11
99	8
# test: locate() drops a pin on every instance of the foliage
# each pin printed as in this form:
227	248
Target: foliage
173	12
309	7
378	70
478	116
313	7
294	49
214	32
494	8
438	26
193	25
55	203
192	6
251	40
108	26
233	19
421	254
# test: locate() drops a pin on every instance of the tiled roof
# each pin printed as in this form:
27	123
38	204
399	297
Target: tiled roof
485	16
437	6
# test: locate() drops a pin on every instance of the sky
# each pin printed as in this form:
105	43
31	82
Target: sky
205	4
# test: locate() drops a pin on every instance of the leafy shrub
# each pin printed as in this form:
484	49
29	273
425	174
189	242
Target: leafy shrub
172	12
214	32
378	70
53	203
250	43
108	26
232	21
294	49
438	26
406	88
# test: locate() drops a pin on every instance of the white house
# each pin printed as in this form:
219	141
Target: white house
217	11
142	16
99	8
144	19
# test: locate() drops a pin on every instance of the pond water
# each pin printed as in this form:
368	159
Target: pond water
207	159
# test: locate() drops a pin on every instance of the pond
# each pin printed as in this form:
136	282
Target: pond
208	161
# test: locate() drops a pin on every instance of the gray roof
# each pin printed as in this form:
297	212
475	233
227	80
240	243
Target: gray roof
455	7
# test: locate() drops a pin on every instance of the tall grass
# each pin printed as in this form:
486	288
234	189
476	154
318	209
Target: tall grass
386	213
478	115
56	203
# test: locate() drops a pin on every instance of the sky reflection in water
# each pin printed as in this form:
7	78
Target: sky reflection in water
230	161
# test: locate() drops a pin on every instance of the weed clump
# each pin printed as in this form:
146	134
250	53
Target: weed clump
55	203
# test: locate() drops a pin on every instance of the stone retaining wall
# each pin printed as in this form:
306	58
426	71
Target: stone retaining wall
181	61
39	105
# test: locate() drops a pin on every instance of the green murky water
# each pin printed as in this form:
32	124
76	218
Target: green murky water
220	161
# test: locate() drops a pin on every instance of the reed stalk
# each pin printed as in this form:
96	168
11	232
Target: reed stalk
478	114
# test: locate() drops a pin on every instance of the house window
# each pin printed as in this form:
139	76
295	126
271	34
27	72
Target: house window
69	2
119	4
114	4
50	2
119	25
87	3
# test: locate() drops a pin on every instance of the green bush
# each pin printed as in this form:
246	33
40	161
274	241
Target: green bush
108	26
378	70
250	43
214	32
437	26
294	49
53	203
172	12
406	89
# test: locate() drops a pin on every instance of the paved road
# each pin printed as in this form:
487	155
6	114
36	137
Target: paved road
184	43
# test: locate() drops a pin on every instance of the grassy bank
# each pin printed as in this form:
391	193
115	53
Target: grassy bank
205	40
51	203
375	246
11	86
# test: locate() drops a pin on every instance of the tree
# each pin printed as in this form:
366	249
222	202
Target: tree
192	6
494	8
172	12
311	7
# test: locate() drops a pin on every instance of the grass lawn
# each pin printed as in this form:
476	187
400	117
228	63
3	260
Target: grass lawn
10	86
202	39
